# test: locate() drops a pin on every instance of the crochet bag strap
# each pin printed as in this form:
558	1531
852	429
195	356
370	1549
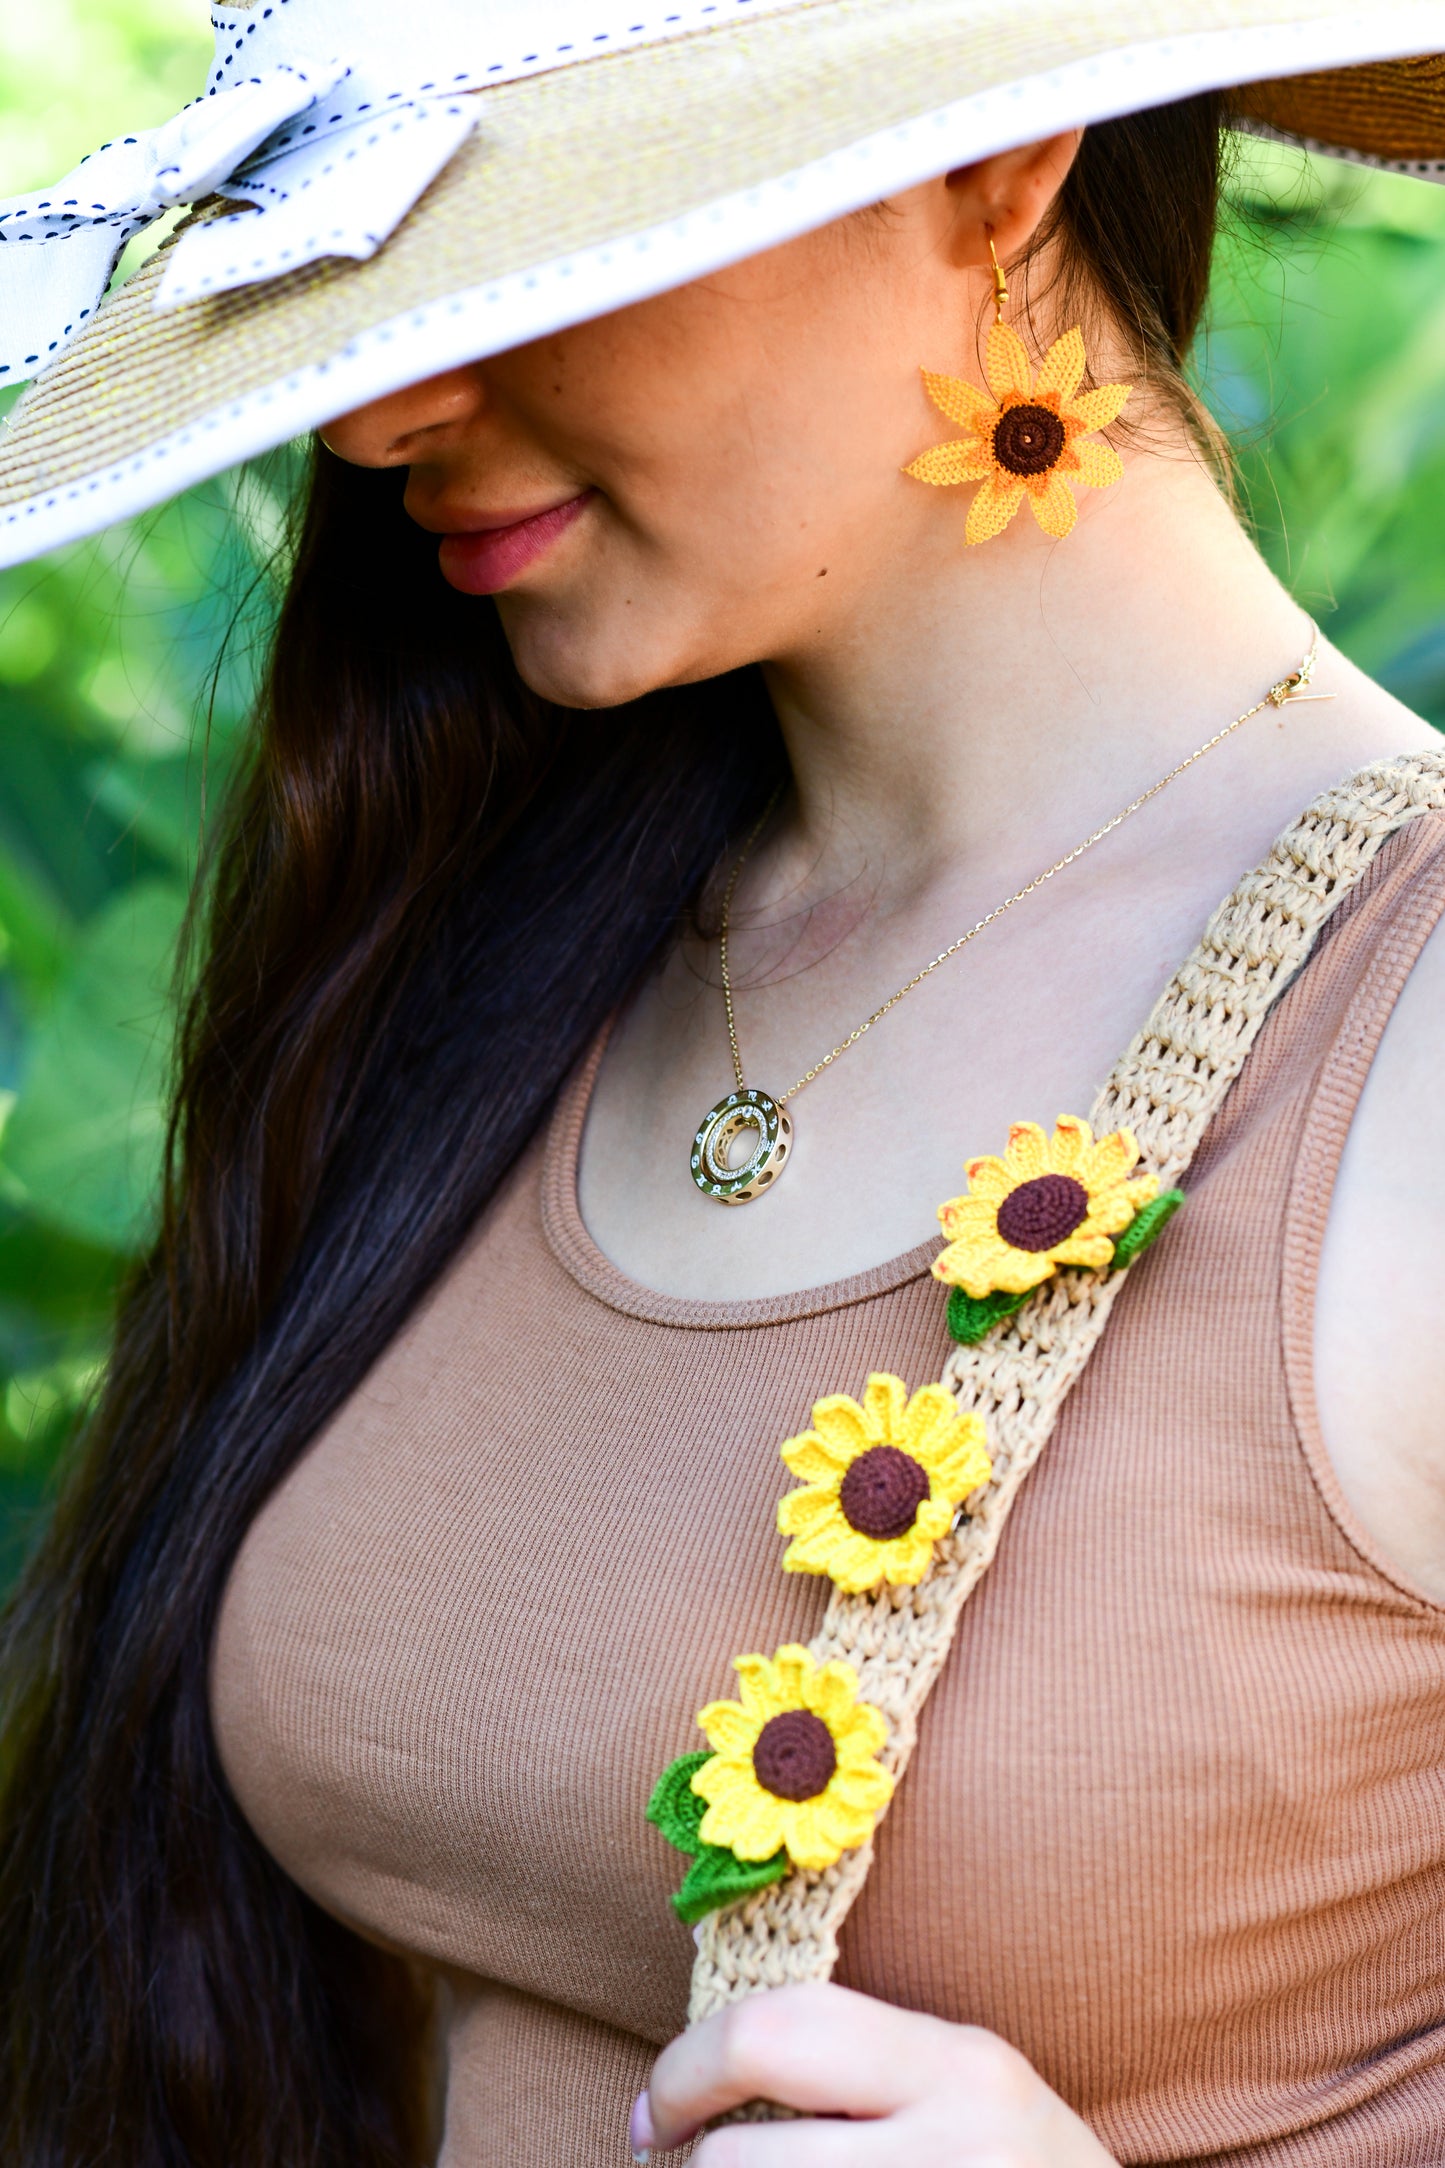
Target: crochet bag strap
1166	1088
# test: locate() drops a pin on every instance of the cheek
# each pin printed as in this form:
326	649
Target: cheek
632	613
719	553
719	510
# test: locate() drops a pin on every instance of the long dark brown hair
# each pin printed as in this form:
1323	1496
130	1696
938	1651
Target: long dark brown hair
429	891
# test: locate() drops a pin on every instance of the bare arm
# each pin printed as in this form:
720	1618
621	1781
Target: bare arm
1380	1315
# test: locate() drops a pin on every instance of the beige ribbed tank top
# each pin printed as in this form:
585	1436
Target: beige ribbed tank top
1175	1825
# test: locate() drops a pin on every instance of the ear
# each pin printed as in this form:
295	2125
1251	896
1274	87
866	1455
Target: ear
1007	197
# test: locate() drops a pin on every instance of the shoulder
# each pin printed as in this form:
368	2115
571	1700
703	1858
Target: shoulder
1380	1310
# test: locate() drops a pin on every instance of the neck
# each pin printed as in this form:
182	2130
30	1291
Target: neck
980	706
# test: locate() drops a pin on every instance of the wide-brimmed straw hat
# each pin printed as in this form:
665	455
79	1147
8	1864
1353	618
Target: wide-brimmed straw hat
386	188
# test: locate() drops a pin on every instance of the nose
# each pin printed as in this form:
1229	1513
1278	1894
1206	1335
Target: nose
407	425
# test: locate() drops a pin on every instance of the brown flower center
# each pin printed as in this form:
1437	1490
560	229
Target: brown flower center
1040	1213
1028	439
795	1756
881	1493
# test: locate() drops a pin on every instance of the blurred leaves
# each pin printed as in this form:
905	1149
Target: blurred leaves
73	72
1325	359
127	669
83	1144
127	664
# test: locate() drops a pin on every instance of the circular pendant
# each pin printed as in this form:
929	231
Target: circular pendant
772	1136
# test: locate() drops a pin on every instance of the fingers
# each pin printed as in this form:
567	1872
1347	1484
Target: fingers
803	2145
818	2048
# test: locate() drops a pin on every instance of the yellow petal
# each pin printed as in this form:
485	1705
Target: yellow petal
865	1787
719	1716
833	1693
1108	1214
729	1728
1006	364
1109	1160
793	1668
1093	1252
804	1510
846	1828
1072	1140
812	1459
1054	508
809	1842
840	1552
719	1777
904	1561
960	1262
974	1228
841	1826
759	1686
976	1237
945	465
885	1401
988	1177
993	507
857	1570
1099	464
968	1464
808	1554
1027	1156
749	1821
860	1733
927	1422
1062	366
1003	1270
965	1263
1096	409
931	1522
843	1427
959	400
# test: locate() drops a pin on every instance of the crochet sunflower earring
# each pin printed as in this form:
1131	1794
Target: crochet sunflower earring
1029	438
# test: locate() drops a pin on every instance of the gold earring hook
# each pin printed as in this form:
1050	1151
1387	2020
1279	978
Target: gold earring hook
1000	283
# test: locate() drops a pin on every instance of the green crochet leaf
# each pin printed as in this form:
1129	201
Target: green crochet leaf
718	1877
1143	1230
968	1320
674	1807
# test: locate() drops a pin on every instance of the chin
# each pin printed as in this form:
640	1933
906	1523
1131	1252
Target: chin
584	666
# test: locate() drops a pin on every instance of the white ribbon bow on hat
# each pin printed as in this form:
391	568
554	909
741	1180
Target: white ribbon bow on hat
329	154
316	195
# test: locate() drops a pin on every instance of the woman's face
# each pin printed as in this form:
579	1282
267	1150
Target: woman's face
705	479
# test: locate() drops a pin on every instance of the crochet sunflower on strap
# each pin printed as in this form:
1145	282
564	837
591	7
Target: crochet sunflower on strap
883	1482
1050	1202
790	1777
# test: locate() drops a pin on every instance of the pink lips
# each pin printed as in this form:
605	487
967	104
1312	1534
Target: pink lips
491	558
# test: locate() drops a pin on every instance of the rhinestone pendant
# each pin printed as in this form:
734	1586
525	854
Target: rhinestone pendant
772	1133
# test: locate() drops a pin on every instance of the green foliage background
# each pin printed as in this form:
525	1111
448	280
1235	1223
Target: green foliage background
123	702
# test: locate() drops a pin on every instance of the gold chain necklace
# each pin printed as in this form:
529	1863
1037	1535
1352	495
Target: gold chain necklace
748	1109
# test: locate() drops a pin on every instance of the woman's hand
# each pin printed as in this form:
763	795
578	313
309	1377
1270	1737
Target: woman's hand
916	2091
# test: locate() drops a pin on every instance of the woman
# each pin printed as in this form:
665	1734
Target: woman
435	1486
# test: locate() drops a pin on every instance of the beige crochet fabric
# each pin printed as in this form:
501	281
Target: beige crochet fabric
1166	1088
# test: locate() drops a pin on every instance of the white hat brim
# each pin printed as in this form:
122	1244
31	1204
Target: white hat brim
145	404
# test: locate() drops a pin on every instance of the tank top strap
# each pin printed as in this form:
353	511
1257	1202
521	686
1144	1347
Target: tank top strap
1168	1088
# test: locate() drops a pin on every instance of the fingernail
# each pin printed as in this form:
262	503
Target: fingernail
639	2130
